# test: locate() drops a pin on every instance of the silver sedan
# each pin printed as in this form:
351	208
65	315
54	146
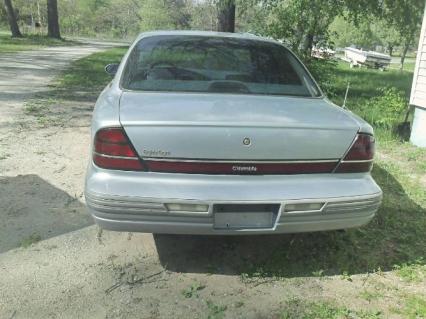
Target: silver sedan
216	133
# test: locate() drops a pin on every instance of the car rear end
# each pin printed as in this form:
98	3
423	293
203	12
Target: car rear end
191	147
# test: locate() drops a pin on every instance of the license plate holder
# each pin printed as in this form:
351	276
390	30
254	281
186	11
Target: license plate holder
251	220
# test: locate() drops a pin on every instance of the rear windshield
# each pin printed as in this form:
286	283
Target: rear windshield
187	63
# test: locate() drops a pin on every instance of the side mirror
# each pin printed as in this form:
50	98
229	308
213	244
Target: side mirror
112	68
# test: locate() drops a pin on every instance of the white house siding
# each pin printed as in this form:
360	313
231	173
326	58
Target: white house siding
418	92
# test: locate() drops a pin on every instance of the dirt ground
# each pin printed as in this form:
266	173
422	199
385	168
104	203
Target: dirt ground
54	263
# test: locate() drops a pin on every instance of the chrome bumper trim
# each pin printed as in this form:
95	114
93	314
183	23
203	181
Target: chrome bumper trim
150	210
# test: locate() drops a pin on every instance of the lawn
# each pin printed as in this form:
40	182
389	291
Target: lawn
80	83
393	242
381	98
28	42
90	72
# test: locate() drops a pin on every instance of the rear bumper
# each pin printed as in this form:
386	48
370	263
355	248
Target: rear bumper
134	201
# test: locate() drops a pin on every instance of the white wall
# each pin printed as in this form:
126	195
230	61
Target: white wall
418	92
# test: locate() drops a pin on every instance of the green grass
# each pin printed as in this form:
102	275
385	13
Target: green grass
364	82
414	307
29	42
371	295
89	73
366	88
81	82
408	66
414	272
32	239
192	291
215	311
299	309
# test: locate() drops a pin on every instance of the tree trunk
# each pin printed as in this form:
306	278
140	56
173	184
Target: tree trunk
390	49
307	45
39	14
404	53
52	19
226	16
11	16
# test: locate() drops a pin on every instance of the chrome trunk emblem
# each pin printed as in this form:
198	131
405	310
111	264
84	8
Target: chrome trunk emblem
246	141
237	168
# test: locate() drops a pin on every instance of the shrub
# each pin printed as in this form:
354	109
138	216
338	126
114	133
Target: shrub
324	72
387	109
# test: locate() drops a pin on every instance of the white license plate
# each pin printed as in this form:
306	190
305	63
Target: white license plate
240	220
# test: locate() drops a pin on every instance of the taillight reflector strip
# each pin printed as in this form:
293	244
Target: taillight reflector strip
125	164
236	168
355	167
113	150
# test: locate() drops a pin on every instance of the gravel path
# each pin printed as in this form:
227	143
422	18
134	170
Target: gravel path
38	196
26	73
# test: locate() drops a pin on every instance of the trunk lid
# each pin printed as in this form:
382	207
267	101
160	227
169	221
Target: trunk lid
235	127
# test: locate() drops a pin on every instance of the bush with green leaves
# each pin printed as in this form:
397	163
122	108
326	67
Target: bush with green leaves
387	109
324	72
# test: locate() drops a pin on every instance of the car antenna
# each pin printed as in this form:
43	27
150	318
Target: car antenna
346	95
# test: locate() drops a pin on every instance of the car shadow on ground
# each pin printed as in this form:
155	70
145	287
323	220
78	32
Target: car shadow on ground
396	236
31	209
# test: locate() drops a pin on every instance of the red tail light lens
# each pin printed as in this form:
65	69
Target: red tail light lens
113	150
362	149
360	157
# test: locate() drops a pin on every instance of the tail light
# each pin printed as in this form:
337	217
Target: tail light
113	150
360	156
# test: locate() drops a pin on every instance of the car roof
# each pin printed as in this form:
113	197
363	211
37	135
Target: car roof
246	36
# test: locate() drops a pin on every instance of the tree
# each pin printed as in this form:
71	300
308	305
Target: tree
11	16
165	14
250	17
155	16
226	15
406	16
203	15
388	35
303	24
369	31
53	19
179	13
